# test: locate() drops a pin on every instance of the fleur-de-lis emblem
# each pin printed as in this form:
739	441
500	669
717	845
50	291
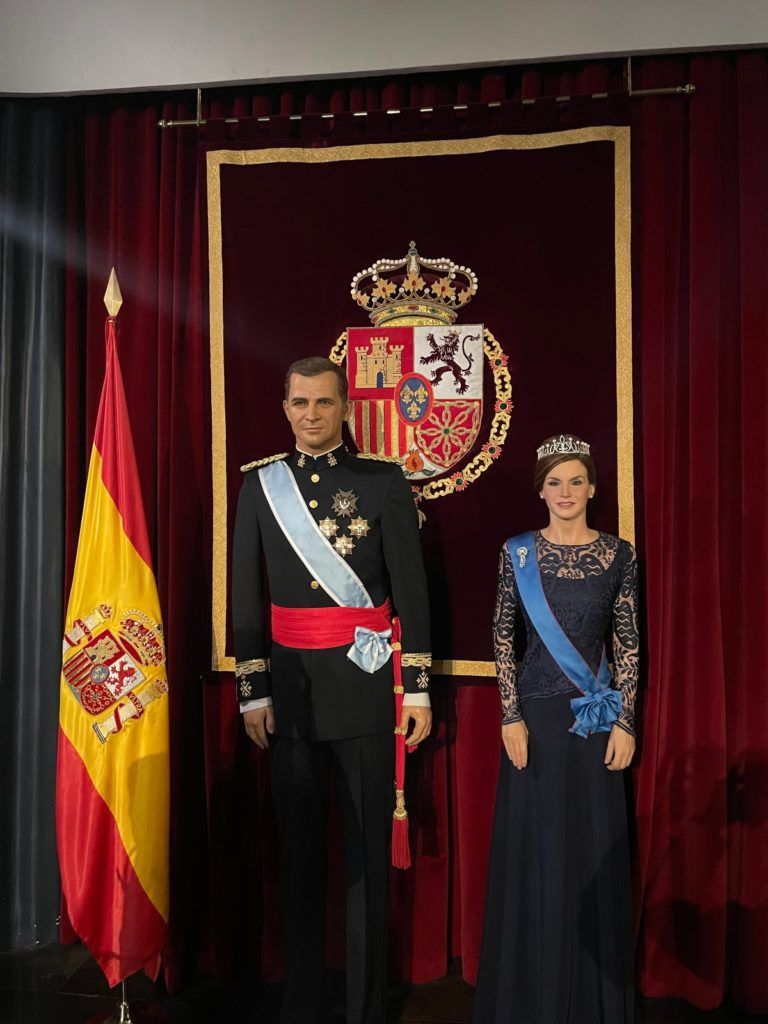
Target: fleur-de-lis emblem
522	554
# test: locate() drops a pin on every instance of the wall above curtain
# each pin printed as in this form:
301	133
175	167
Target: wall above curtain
94	47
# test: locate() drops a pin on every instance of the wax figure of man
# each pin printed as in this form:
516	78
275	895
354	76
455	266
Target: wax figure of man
338	534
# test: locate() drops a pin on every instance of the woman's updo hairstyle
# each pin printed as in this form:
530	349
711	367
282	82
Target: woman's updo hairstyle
562	448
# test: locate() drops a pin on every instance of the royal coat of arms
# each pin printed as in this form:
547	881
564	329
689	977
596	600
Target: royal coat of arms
416	385
111	666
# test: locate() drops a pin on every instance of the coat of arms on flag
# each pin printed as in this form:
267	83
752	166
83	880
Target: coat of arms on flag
103	666
416	377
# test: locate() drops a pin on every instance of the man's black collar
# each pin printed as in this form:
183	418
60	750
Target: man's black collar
317	463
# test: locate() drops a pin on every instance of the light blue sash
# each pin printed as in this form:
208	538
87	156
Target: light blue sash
340	582
599	708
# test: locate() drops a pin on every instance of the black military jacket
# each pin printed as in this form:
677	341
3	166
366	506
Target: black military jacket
366	509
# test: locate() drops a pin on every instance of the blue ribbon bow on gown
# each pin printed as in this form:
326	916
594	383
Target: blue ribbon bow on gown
595	712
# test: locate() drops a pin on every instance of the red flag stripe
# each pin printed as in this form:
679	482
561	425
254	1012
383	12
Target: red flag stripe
119	469
119	923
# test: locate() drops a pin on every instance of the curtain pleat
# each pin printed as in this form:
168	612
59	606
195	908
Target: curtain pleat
701	259
31	512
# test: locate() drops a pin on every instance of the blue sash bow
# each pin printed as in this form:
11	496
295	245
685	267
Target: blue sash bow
340	582
600	706
371	648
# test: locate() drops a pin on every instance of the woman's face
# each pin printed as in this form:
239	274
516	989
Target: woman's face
567	490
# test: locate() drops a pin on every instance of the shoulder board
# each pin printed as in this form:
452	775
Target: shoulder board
377	458
263	462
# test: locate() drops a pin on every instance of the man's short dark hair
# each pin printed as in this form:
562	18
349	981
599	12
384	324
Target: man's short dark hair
312	366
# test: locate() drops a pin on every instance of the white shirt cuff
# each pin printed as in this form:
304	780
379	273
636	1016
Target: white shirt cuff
252	705
416	700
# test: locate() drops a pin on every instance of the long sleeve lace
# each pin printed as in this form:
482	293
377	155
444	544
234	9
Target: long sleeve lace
626	643
504	641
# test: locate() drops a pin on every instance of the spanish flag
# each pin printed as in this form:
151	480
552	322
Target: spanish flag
112	776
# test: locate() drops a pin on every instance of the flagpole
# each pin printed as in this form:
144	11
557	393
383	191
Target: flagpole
113	300
123	1010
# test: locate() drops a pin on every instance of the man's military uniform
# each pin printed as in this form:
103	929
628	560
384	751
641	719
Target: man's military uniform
329	712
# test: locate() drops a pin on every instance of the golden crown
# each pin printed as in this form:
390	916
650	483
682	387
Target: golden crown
413	288
563	445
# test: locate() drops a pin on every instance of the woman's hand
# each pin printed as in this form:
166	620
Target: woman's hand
620	749
515	738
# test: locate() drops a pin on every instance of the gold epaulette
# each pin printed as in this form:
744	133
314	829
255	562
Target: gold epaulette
377	458
263	462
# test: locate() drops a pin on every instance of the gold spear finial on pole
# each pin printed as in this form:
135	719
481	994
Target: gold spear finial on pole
113	300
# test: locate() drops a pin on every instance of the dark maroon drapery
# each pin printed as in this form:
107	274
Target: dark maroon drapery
701	242
701	269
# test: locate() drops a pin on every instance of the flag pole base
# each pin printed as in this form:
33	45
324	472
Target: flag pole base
122	1014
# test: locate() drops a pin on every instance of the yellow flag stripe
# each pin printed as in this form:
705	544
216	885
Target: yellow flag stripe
130	769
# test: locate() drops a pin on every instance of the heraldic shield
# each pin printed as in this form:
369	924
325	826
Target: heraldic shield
417	394
416	377
105	662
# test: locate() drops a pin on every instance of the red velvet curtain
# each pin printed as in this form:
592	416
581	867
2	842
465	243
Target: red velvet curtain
701	233
701	271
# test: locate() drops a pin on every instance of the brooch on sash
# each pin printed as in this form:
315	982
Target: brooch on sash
522	554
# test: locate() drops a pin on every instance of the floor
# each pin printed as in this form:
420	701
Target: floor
62	985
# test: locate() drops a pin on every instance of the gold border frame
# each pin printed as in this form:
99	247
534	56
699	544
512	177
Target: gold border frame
215	159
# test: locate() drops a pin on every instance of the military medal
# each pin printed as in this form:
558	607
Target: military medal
345	503
344	545
328	527
359	527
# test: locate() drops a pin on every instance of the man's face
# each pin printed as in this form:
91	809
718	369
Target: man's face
315	411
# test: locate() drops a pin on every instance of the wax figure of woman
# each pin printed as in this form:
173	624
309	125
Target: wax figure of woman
558	938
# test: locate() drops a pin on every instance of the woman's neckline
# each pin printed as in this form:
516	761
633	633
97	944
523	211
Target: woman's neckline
555	544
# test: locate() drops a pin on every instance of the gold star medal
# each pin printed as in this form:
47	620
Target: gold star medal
345	503
359	527
344	545
328	527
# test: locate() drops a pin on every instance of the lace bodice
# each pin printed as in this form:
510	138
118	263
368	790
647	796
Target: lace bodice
592	589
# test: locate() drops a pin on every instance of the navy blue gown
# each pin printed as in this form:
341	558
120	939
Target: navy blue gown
558	936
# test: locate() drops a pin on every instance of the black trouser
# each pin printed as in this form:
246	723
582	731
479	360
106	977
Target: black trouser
364	773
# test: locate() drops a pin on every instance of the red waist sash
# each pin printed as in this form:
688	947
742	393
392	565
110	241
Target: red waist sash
316	628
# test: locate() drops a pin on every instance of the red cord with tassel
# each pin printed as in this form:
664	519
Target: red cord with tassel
401	853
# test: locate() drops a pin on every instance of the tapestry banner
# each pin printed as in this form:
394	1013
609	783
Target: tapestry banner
478	293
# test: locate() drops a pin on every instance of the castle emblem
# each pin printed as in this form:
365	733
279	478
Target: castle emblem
416	377
381	366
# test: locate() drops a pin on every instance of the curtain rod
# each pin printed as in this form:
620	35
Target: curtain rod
671	90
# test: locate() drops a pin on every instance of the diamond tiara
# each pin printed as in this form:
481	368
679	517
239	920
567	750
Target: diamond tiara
563	445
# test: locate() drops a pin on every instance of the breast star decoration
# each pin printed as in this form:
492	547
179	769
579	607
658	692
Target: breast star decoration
344	506
345	503
344	545
359	527
328	527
